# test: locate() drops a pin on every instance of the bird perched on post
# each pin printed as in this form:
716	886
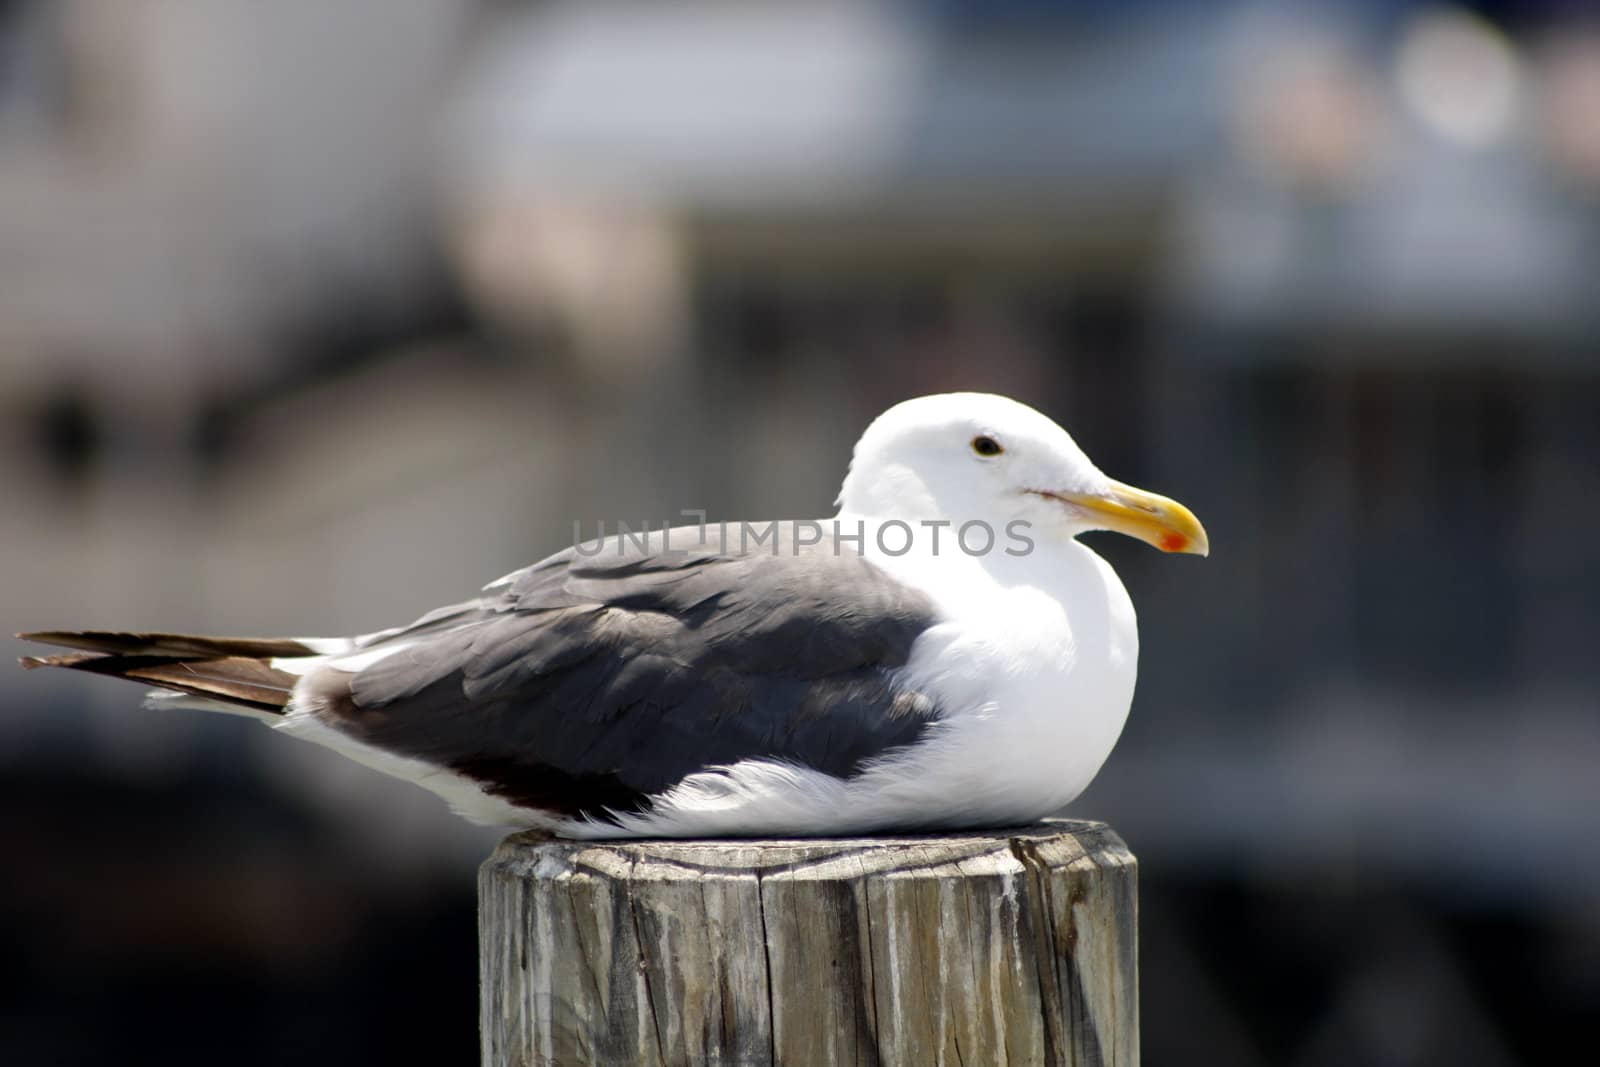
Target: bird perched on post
942	654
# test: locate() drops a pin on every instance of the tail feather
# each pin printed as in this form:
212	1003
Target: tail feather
176	646
235	671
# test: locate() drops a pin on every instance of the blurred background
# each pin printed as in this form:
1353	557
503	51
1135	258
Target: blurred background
313	316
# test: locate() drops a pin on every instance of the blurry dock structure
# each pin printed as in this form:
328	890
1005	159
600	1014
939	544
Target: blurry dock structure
1004	948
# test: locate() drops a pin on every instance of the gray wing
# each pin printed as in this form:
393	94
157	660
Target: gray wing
609	672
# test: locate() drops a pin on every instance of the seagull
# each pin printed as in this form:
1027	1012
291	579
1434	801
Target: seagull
942	654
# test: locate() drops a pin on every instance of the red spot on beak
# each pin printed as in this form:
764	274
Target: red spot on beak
1174	542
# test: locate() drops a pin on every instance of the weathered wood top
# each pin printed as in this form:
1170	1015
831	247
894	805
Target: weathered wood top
1009	947
1068	840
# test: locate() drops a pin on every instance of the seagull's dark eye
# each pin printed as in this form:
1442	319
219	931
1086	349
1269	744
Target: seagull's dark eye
985	445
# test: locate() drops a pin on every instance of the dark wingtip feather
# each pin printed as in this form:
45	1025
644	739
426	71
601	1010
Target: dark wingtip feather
54	637
246	681
177	646
77	659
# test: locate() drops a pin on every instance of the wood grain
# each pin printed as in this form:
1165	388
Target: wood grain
1016	947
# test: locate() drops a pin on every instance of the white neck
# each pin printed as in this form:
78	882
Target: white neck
891	492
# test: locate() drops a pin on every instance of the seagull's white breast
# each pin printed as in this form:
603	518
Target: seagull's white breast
1035	679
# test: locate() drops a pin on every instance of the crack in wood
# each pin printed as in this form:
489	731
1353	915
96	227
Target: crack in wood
644	965
766	957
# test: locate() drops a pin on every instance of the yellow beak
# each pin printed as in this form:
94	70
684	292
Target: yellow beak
1152	518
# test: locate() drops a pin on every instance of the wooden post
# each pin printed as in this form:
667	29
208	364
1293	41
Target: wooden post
1014	947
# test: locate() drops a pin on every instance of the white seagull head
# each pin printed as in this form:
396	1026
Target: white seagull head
960	457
